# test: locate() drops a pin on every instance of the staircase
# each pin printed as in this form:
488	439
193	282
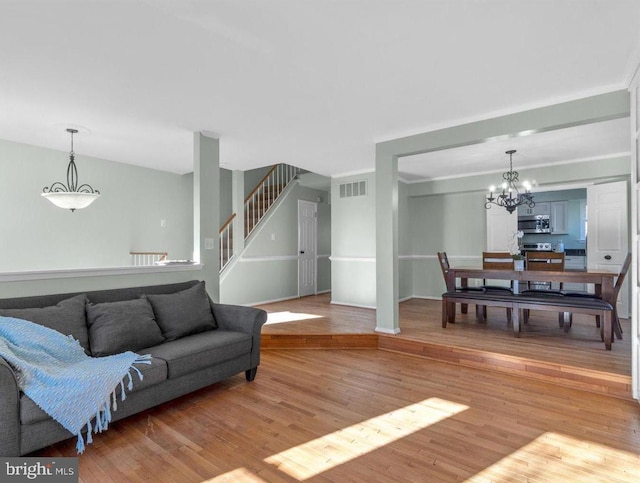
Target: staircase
256	206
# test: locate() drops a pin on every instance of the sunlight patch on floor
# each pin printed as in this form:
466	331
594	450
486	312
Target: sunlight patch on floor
280	317
322	454
239	474
558	457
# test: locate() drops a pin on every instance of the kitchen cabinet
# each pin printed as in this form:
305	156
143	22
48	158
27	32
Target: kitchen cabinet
543	208
559	217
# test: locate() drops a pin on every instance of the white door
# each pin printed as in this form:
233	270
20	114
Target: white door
607	232
307	243
501	227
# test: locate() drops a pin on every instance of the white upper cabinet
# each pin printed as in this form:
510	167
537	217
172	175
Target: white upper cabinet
543	208
559	217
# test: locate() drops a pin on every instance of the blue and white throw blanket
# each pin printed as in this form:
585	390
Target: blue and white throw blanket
71	387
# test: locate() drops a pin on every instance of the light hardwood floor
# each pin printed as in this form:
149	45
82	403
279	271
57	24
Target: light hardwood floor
379	415
543	352
370	415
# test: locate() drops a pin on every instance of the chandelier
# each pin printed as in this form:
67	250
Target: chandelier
510	198
71	196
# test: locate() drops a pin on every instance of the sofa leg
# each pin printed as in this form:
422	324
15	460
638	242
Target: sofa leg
251	374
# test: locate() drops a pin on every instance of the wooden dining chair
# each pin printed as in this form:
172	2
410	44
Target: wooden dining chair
444	267
544	262
496	261
615	326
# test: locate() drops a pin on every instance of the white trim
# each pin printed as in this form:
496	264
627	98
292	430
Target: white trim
283	299
319	292
354	305
435	257
382	330
94	272
352	259
404	299
426	297
328	255
270	258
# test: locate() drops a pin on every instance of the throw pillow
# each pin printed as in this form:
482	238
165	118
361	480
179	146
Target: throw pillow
115	327
183	313
67	317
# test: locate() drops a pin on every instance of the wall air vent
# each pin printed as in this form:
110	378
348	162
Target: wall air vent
356	188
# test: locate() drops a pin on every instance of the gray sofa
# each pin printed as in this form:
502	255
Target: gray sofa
195	356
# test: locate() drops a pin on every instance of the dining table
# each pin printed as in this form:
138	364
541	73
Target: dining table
601	280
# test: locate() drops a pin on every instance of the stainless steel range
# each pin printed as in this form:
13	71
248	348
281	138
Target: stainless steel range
537	247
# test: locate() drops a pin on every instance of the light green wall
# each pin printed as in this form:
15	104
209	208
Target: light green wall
353	245
226	195
405	266
252	177
268	269
39	236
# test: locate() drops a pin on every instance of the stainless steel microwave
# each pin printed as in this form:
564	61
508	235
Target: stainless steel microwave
534	224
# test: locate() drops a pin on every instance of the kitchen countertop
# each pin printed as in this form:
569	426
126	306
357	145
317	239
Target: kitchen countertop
569	252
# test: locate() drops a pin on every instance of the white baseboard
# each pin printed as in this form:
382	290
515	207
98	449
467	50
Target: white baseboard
252	304
426	297
382	330
354	305
323	291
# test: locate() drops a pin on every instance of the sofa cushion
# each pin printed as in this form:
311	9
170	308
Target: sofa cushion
183	313
153	374
67	317
195	352
116	327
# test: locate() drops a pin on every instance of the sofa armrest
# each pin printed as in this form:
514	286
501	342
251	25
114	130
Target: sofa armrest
242	319
239	318
9	411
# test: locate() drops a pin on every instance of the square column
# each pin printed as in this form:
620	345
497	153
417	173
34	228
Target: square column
387	310
206	210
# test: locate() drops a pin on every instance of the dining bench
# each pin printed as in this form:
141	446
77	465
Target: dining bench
538	301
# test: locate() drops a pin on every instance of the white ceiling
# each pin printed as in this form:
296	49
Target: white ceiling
309	83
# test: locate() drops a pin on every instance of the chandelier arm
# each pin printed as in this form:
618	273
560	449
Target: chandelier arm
57	187
86	188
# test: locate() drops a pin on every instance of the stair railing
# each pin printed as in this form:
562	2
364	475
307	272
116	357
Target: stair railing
265	194
141	259
226	242
256	205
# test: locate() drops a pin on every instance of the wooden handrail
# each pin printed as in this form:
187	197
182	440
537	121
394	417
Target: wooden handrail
226	223
259	185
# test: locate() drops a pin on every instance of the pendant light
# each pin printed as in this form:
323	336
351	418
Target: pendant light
510	198
71	196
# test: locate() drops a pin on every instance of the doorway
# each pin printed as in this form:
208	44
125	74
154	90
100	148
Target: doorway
307	247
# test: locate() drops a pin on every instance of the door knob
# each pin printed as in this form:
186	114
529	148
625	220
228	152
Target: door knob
301	251
607	257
